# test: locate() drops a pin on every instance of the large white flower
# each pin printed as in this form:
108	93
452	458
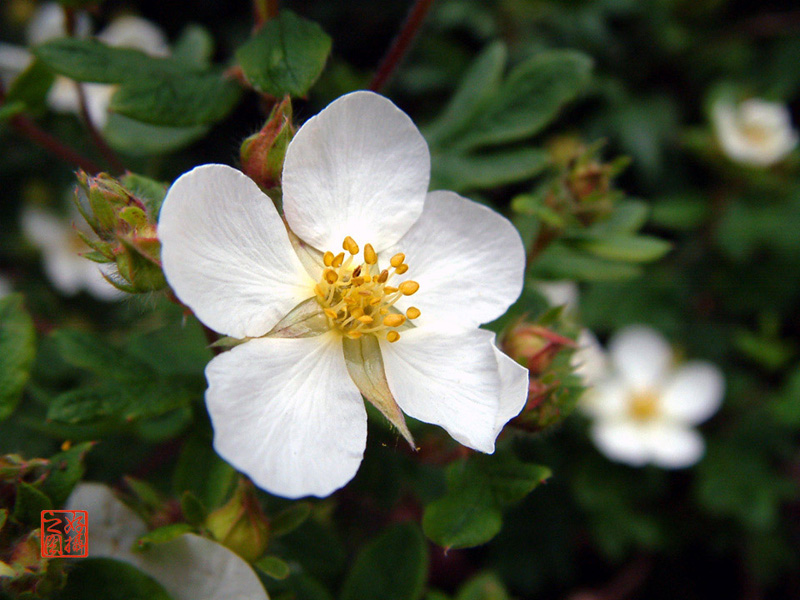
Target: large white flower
61	248
48	23
645	410
189	567
331	325
754	132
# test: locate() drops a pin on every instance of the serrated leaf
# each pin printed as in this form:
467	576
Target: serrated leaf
170	100
17	351
625	248
393	566
274	567
164	534
531	97
462	172
110	580
286	56
476	89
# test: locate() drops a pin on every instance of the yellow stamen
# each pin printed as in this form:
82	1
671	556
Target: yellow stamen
389	289
392	336
330	312
644	406
394	320
370	257
413	312
354	335
330	276
365	319
318	291
337	260
402	269
350	245
409	287
397	260
328	258
383	276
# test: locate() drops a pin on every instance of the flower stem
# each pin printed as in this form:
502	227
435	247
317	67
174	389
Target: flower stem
27	128
263	11
401	44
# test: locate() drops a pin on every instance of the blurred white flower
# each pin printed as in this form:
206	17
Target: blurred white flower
189	567
589	361
5	286
48	23
644	410
286	407
560	293
754	132
61	248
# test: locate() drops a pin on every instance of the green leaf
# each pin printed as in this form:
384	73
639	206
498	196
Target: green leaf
203	473
680	212
192	508
171	100
274	567
286	56
478	489
110	580
65	470
477	88
142	139
194	47
149	191
164	534
92	61
290	518
31	86
463	172
562	262
531	97
87	351
393	566
10	110
628	217
625	248
17	351
486	586
29	504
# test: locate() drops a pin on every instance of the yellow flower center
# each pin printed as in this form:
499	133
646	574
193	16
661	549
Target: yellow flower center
358	298
643	406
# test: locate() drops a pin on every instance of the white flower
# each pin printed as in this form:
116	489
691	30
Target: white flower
61	249
755	132
189	567
644	410
48	23
560	293
286	407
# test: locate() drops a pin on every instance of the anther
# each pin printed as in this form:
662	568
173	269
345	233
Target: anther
394	320
369	255
409	287
397	260
330	312
413	312
356	312
389	289
337	260
357	271
365	319
392	336
383	276
402	269
330	276
350	245
328	258
354	335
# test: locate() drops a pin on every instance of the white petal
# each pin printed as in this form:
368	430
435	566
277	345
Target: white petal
191	567
63	96
286	413
13	61
641	355
468	260
673	446
608	399
226	253
513	389
359	168
693	393
98	97
621	441
447	379
130	31
559	293
113	527
589	361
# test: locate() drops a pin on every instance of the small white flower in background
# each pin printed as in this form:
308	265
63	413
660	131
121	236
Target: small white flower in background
189	567
560	293
61	247
5	287
286	407
644	410
754	132
48	23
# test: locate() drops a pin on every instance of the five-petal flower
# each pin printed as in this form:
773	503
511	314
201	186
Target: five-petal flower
376	288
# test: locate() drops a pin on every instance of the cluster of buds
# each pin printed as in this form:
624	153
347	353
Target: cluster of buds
125	226
549	399
262	153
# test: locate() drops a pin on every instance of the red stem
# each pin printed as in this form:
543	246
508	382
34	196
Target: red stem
38	136
105	150
401	44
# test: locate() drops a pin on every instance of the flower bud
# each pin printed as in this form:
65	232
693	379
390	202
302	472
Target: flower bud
534	346
240	524
262	154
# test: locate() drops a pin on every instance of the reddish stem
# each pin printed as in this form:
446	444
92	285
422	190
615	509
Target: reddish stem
105	150
401	44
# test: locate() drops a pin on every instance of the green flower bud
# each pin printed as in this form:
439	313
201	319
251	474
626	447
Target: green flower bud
262	154
240	524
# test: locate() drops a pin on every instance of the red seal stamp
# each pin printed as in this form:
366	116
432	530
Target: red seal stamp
65	533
